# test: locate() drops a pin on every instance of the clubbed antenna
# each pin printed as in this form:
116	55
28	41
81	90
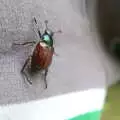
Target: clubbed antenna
59	31
46	24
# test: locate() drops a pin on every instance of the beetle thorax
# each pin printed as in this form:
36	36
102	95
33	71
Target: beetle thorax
43	44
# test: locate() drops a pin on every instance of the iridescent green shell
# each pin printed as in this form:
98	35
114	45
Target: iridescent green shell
48	40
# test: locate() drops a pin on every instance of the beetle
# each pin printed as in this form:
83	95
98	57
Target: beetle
41	58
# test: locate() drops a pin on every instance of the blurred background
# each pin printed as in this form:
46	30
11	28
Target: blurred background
107	20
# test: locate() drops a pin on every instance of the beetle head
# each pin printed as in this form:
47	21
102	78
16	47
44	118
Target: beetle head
49	32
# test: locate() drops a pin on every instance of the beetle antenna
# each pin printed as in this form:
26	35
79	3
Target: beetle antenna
59	31
46	24
37	27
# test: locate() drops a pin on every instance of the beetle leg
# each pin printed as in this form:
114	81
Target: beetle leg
38	30
45	80
56	53
25	43
53	49
22	70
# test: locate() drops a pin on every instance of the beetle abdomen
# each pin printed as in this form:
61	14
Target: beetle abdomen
42	57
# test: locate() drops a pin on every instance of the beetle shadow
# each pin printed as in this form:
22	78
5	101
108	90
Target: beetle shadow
35	76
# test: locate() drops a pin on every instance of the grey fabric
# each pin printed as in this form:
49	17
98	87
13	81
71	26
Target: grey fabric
77	67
